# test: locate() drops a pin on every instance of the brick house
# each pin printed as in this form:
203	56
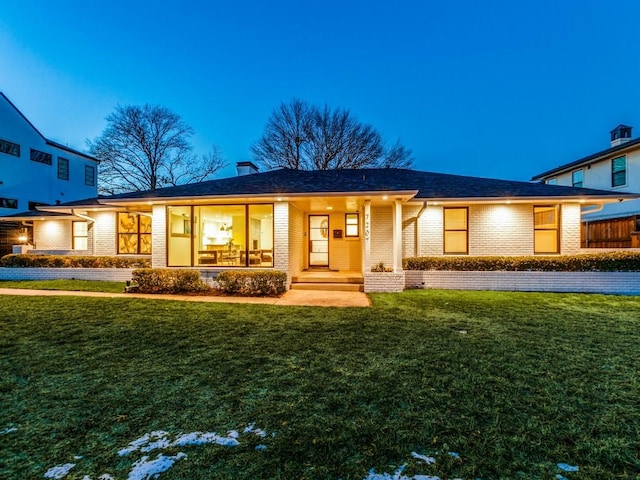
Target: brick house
333	221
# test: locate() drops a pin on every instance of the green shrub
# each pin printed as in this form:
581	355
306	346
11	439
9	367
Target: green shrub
167	280
589	262
263	283
72	261
380	267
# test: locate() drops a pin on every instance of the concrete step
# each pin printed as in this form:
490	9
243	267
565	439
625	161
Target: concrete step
326	279
341	287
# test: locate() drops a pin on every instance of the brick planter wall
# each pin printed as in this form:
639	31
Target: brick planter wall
106	274
622	283
384	281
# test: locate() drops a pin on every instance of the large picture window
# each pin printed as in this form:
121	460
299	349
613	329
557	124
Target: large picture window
456	230
221	235
134	233
546	232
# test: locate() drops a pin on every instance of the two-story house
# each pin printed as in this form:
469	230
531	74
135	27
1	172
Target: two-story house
614	225
36	171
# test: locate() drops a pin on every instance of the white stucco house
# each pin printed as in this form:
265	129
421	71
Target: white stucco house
616	168
336	220
37	171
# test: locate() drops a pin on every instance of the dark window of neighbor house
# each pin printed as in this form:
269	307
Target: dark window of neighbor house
352	224
552	181
619	171
8	203
33	205
546	231
41	157
89	175
134	233
9	148
576	178
63	168
456	230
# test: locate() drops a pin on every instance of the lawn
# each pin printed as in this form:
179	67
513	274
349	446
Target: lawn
425	383
73	285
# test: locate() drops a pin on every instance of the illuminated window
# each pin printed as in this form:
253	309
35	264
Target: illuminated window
134	233
546	234
576	178
456	230
351	222
80	235
619	171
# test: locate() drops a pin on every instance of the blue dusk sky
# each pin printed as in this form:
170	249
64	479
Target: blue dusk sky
503	89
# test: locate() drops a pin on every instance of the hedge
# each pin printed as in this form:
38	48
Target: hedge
72	261
588	262
252	282
166	280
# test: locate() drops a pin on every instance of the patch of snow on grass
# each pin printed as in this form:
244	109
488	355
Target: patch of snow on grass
202	438
256	431
104	476
145	469
397	475
8	430
424	458
568	468
147	439
59	471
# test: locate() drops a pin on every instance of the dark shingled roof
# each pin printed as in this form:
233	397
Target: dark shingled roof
31	214
428	185
586	160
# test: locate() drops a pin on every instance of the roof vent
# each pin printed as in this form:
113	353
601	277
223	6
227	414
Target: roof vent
621	134
246	168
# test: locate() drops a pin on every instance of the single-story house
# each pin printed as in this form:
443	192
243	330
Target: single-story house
337	220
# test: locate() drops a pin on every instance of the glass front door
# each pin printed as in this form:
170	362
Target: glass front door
318	240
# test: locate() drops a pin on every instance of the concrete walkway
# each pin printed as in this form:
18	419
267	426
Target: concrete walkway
306	298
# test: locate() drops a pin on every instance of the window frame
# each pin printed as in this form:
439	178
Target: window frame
64	173
575	183
12	149
557	228
614	172
138	233
74	236
445	230
347	224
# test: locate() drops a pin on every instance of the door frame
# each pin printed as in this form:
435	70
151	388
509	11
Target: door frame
309	239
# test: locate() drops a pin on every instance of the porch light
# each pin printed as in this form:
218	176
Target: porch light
385	197
329	208
22	239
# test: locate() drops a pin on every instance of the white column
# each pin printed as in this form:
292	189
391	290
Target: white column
397	236
366	258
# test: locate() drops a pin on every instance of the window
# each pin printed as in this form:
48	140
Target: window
552	181
90	175
41	157
220	235
456	230
134	233
351	223
546	234
80	232
33	205
619	171
8	203
576	178
63	168
9	148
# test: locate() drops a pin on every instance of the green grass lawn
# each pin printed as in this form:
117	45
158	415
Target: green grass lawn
73	285
513	383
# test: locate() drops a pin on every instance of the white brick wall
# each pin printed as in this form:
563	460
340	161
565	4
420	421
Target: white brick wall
52	235
381	236
626	283
281	238
384	281
296	241
570	229
501	230
103	274
159	237
431	231
105	237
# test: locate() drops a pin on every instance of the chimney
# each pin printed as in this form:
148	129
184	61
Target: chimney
621	134
246	168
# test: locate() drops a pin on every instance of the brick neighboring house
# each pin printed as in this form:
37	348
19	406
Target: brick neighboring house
36	171
617	168
336	220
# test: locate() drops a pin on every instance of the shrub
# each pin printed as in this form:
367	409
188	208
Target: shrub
380	267
252	282
72	261
167	280
588	262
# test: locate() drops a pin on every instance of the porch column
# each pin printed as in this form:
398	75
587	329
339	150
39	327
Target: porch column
366	258
397	236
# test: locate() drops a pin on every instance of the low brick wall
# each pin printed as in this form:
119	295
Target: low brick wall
106	274
384	281
621	283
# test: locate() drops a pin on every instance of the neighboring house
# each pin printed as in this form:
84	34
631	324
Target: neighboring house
345	220
617	169
37	171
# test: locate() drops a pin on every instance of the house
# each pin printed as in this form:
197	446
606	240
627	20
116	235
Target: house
36	171
615	225
337	220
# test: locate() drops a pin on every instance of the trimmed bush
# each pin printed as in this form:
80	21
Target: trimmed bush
72	261
588	262
265	283
167	280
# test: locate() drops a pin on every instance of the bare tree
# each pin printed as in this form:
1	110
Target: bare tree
147	147
305	137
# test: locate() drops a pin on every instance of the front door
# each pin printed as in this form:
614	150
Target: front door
318	240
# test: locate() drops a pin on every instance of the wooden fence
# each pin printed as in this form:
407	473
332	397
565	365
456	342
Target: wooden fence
613	233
